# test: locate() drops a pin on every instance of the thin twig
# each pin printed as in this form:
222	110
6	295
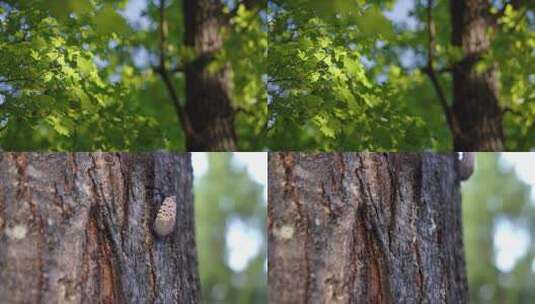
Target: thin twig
430	71
513	111
177	69
243	110
6	80
164	73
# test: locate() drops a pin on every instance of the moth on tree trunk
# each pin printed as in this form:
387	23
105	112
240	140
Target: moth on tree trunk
365	228
165	220
77	228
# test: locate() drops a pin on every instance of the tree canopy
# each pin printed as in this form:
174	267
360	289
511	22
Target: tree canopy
347	75
80	75
300	75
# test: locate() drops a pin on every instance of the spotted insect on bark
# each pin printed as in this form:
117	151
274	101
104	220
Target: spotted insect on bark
164	222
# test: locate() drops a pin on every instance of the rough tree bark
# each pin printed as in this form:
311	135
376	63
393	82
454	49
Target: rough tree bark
475	94
208	94
76	228
365	228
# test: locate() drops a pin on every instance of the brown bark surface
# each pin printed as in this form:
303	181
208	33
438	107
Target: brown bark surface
77	228
475	95
208	94
365	228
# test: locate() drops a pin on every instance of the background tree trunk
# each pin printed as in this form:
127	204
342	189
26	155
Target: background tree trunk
77	228
475	94
365	228
208	93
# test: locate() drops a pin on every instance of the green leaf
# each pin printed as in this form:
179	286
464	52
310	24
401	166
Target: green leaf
108	21
373	23
58	125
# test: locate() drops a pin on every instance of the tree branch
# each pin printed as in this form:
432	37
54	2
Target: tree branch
446	69
513	112
243	110
6	80
164	73
430	71
177	69
172	71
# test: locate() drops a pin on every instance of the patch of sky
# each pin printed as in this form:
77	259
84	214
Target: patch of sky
367	62
4	8
243	243
400	14
6	87
511	242
133	12
114	78
381	78
113	44
101	63
409	59
524	166
141	57
511	239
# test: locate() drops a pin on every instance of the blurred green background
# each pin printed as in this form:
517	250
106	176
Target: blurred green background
230	214
499	224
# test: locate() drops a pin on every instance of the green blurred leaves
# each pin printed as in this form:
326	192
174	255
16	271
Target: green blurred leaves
224	195
107	21
323	97
494	194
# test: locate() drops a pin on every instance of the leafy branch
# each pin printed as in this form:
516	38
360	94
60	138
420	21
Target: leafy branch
248	4
432	73
165	74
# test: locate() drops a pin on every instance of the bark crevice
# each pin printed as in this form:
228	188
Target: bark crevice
383	246
77	227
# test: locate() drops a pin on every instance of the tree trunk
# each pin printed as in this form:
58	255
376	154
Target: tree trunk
208	93
77	228
365	228
475	94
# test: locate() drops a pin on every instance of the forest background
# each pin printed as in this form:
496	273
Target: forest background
231	226
498	218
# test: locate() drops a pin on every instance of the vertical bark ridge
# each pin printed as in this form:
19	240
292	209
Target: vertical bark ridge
77	227
382	228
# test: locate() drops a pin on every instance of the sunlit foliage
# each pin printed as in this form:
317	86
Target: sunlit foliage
343	76
77	75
